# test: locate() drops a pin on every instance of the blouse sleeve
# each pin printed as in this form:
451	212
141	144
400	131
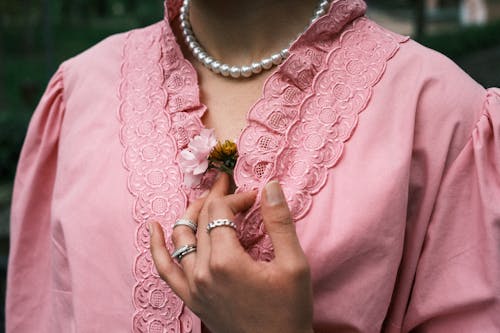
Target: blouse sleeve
457	282
28	302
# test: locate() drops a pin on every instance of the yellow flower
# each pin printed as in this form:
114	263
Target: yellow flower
224	151
223	156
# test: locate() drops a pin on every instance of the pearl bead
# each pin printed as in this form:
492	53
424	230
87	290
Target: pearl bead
215	66
324	4
256	67
235	72
189	39
285	53
193	45
224	70
208	61
319	12
202	56
197	50
185	25
246	71
276	58
267	63
188	32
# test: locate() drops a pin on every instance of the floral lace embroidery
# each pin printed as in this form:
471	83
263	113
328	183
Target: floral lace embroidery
310	108
152	134
296	133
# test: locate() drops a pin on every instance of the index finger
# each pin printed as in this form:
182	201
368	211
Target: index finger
222	238
219	190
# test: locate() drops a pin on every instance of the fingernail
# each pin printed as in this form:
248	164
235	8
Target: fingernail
150	228
205	194
274	194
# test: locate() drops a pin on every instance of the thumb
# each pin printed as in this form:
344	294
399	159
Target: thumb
279	224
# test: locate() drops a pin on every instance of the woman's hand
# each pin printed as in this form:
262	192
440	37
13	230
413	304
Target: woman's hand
222	284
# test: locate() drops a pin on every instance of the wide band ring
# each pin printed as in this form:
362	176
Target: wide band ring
187	223
221	223
183	251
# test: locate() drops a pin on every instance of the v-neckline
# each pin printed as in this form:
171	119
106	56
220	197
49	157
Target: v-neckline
275	74
269	120
197	87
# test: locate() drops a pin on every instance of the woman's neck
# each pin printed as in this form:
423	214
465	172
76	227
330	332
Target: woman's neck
241	31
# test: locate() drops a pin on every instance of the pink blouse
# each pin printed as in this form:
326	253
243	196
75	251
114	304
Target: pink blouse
388	153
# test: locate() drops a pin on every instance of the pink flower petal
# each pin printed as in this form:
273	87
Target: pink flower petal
192	180
194	159
187	155
201	168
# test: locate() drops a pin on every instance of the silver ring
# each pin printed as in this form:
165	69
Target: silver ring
221	223
187	223
183	251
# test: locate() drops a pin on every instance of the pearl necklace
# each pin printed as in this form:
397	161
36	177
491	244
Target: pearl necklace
226	70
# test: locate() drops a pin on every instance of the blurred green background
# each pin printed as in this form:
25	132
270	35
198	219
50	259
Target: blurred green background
35	36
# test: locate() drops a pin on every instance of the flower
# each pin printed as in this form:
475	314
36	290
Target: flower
224	156
203	153
194	159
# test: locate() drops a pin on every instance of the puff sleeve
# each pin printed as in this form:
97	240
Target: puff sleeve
457	281
29	304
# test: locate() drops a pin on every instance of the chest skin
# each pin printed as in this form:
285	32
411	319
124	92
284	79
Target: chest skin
228	100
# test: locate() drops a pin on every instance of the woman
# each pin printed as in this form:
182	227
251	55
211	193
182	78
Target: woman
387	155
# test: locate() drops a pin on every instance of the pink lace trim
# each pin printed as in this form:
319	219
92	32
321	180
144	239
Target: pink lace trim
296	132
153	130
310	108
